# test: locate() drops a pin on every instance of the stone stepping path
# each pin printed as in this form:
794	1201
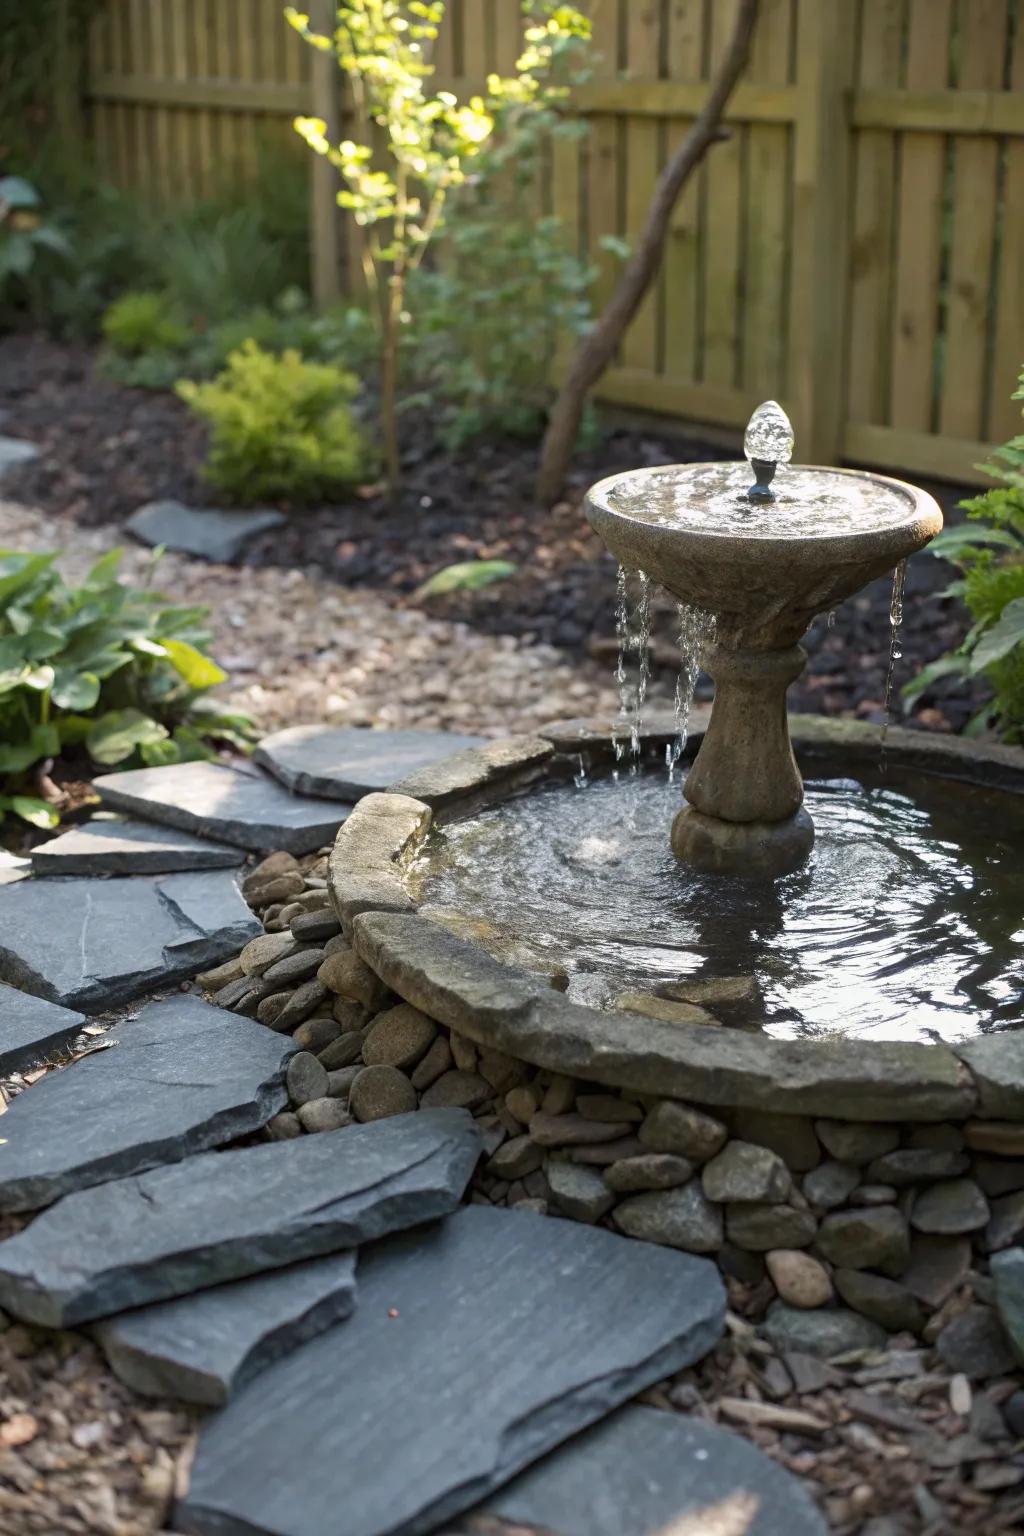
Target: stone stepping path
208	532
644	1472
15	451
225	1215
32	1030
110	846
95	943
476	1347
202	1348
181	1077
238	805
342	763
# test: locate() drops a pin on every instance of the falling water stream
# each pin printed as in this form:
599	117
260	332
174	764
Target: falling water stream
633	671
696	630
899	580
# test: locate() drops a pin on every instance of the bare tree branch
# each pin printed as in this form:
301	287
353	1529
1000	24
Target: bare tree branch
598	347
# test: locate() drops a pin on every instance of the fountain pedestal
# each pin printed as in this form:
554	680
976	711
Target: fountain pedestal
746	814
764	560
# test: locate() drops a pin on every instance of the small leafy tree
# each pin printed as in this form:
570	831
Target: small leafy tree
989	550
418	146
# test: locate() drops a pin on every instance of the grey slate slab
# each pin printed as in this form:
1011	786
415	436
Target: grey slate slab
182	1076
242	806
31	1030
94	943
223	1215
15	451
202	1348
476	1347
110	846
643	1472
343	763
208	532
13	868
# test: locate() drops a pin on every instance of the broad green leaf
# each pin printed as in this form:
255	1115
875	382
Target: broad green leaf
946	666
38	813
466	577
118	733
159	754
106	568
197	670
43	741
147	647
952	542
39	679
20	571
75	690
1003	637
16	192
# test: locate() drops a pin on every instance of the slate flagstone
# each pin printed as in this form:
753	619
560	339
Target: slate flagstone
32	1030
476	1347
182	1076
95	943
209	532
110	846
201	1348
344	762
239	805
645	1472
220	1216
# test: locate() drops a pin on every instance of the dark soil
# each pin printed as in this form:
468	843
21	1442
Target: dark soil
106	450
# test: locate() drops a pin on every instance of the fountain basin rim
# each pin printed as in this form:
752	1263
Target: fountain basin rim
900	537
506	1008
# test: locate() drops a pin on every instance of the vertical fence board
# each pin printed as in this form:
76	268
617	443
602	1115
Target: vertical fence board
684	53
919	246
642	151
767	217
1008	351
976	165
604	162
722	174
873	215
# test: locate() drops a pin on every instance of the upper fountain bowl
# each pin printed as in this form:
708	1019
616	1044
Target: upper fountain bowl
764	567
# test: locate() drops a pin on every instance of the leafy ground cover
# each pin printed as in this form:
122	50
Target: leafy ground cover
107	449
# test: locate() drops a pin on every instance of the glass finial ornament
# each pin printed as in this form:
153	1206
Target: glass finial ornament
767	443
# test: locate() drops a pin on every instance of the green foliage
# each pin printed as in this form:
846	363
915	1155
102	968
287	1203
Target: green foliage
280	427
115	671
30	243
468	576
143	321
417	147
989	551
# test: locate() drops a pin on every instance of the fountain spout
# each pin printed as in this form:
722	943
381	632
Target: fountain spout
764	560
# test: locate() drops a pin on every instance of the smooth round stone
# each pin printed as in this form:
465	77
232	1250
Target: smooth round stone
399	1037
435	1064
516	1158
1013	1413
324	1114
679	1218
855	1143
648	1170
742	1171
306	1078
974	1343
950	1208
800	1280
316	1034
379	1092
342	1052
284	1127
457	1090
916	1165
884	1301
264	951
791	1136
607	1107
522	1103
831	1184
872	1238
827	1332
339	1083
763	1227
578	1192
758	849
294	968
672	1127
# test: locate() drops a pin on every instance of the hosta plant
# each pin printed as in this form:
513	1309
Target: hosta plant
115	673
989	550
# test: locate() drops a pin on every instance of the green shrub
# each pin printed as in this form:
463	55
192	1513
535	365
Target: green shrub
280	427
143	321
30	245
989	550
111	670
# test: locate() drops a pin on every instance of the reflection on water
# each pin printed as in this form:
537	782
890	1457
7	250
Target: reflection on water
907	922
712	498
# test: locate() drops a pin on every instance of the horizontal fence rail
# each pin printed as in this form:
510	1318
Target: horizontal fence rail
855	248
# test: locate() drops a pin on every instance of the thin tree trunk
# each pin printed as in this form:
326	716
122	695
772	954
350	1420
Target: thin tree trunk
598	347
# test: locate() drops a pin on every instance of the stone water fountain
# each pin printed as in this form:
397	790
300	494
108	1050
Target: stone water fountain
764	560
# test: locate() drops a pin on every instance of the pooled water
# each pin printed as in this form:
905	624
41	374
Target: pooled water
907	923
712	498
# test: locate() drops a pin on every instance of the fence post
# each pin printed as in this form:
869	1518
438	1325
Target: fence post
820	235
325	224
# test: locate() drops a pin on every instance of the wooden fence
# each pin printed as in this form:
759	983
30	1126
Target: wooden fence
855	249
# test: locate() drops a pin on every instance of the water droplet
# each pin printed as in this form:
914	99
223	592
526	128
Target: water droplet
769	435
